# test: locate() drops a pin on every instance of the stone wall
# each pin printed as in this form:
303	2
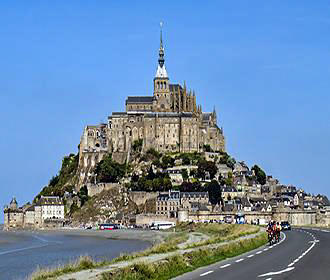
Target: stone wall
96	189
293	217
140	198
147	219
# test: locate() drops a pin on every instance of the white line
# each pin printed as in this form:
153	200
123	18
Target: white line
250	256
266	249
268	279
23	249
206	273
226	265
259	252
239	260
276	272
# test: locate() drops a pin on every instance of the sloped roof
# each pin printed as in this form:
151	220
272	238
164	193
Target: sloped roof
139	99
50	200
161	72
175	87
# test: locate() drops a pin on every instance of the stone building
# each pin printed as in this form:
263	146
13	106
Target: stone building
49	210
13	215
170	120
168	204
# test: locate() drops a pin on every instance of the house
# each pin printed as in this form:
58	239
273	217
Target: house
246	205
167	204
51	207
48	211
228	193
240	168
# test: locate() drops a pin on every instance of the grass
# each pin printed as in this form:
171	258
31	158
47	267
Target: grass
180	264
217	233
83	262
170	244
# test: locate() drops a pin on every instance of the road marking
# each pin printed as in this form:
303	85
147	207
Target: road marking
259	252
291	264
268	279
239	260
226	265
250	256
325	230
276	272
266	249
206	273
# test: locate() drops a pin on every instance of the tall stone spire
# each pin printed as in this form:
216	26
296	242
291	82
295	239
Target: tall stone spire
161	70
161	59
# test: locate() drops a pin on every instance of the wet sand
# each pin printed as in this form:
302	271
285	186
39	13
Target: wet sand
118	234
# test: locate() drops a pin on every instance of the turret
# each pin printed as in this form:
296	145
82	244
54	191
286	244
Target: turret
13	204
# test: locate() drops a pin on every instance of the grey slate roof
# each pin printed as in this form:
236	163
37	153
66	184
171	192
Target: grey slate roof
175	87
139	99
192	194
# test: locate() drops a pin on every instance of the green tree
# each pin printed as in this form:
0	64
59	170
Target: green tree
185	175
167	161
206	166
185	159
83	195
260	174
137	145
109	171
214	191
207	148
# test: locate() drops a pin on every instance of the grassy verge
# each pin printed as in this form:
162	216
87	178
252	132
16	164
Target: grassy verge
170	244
218	232
180	264
84	262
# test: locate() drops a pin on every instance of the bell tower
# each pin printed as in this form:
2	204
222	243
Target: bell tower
162	95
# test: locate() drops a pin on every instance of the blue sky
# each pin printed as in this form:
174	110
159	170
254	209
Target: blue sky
263	64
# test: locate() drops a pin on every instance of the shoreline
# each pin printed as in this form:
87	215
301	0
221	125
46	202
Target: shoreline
153	237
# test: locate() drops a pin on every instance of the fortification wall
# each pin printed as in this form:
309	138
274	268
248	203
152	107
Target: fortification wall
140	198
94	189
147	219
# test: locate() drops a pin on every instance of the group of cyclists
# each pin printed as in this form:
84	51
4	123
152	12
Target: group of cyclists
274	232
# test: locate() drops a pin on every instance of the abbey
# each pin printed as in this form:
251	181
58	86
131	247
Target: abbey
168	121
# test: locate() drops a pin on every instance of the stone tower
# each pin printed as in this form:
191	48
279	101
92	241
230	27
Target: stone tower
162	95
13	204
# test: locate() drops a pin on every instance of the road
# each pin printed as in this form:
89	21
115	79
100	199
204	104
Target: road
302	254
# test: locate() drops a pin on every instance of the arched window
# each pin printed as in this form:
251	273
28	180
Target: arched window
157	85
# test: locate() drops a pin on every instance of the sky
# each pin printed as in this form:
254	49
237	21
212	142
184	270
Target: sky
264	65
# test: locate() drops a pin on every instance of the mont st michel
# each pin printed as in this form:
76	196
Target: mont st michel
157	189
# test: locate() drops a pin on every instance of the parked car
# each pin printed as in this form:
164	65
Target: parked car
285	225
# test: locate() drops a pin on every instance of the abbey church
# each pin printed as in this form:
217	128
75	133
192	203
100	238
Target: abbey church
168	121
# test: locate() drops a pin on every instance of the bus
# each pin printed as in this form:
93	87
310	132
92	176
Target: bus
161	225
107	227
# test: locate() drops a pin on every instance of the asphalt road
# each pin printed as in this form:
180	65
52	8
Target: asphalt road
302	254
